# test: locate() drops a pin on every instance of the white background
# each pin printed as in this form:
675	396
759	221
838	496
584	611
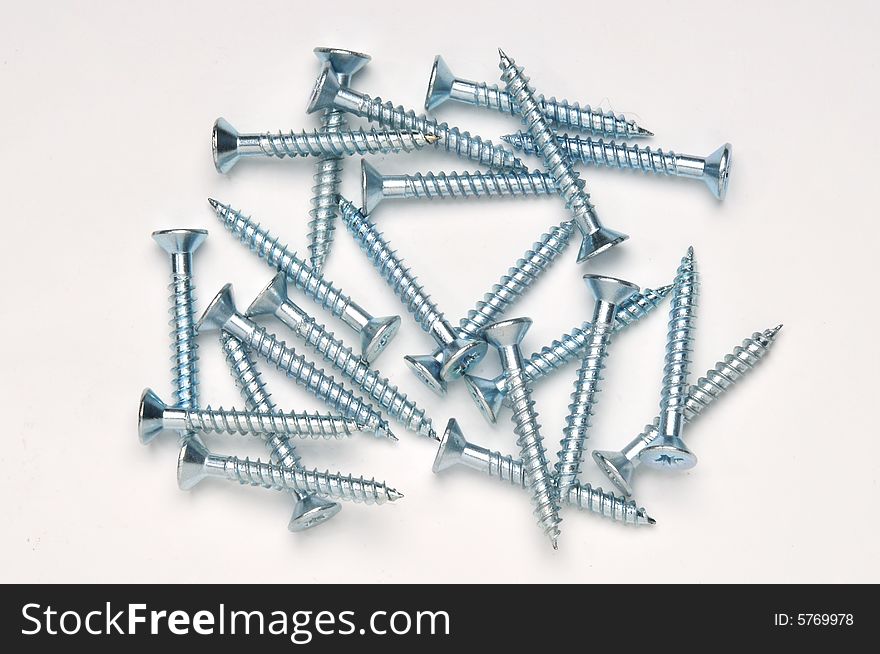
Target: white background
107	112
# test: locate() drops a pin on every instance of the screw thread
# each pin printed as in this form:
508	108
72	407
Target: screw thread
584	397
315	380
302	425
518	279
476	184
390	266
183	344
267	246
323	213
558	165
534	457
395	402
336	486
345	142
451	139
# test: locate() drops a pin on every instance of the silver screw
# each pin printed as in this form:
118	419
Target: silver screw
668	450
273	300
506	336
443	86
714	169
155	417
457	355
375	333
620	466
180	244
345	64
491	394
377	187
229	145
455	449
609	293
309	510
196	463
221	314
596	237
329	93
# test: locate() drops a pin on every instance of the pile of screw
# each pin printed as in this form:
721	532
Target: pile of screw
617	304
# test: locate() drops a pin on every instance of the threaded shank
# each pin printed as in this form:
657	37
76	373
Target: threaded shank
323	213
183	344
340	143
476	184
302	425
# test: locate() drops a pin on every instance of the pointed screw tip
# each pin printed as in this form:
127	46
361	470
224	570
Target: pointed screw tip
650	520
214	203
663	291
645	132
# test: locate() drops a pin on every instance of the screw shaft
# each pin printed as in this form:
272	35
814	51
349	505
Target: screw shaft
340	143
323	213
233	421
469	184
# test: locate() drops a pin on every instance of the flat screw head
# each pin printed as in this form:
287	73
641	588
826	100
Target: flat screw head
371	187
507	332
460	356
610	289
452	445
191	464
326	88
376	335
270	299
598	241
427	369
150	414
180	241
617	468
224	145
668	452
486	395
343	62
440	84
311	511
219	312
717	170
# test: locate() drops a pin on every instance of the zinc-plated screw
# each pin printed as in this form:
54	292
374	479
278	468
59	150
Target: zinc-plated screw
155	417
228	145
180	244
273	300
328	92
620	466
714	170
491	394
455	449
375	333
196	462
309	510
221	314
377	187
345	64
596	237
609	293
506	336
443	86
668	450
457	355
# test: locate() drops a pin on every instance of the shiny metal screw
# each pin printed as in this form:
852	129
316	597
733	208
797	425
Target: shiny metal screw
490	394
196	463
455	449
377	187
596	237
609	293
345	64
273	300
714	169
443	86
620	466
309	510
155	418
228	145
375	333
180	244
506	336
668	451
328	92
457	355
221	314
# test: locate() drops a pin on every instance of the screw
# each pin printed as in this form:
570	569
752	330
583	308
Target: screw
328	169
196	463
456	355
491	394
221	314
455	449
375	333
328	92
180	244
668	450
309	510
443	86
377	187
506	336
596	237
155	417
273	300
620	466
609	293
714	170
229	145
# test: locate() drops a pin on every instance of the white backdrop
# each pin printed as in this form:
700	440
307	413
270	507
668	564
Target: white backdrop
107	114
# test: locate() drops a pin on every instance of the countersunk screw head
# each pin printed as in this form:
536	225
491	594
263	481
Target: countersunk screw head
610	289
270	298
440	84
219	312
668	452
717	170
326	89
507	332
377	334
224	145
618	468
598	241
427	368
452	445
310	511
191	464
150	414
180	241
459	356
344	62
371	187
486	395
